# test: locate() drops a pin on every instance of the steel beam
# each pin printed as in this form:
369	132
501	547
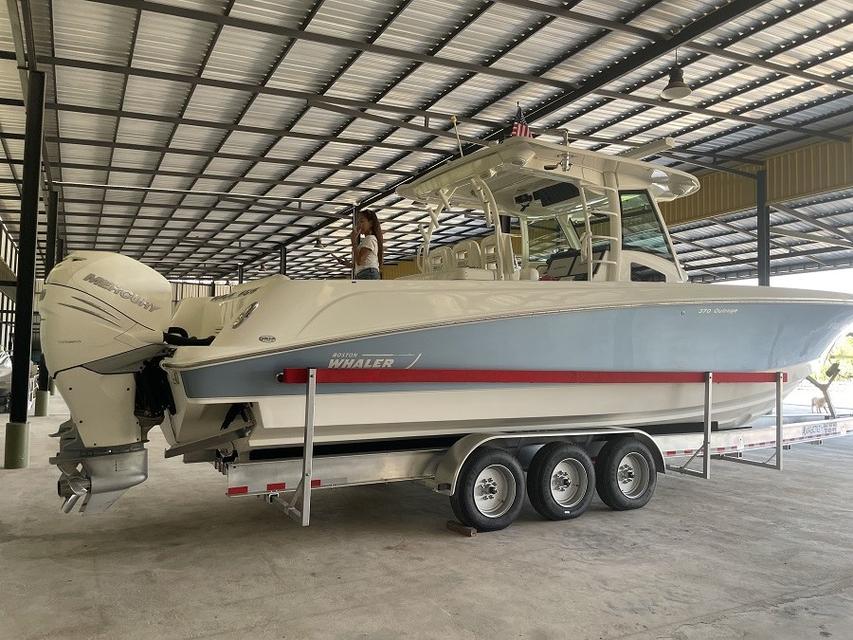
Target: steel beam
161	220
17	430
52	217
209	124
192	207
131	51
338	42
660	44
811	237
574	135
258	89
722	115
777	269
765	101
658	37
785	70
607	93
787	210
750	262
213	176
763	217
737	248
644	56
396	122
225	195
282	259
49	262
200	153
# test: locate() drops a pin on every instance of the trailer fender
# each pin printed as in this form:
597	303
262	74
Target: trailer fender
654	447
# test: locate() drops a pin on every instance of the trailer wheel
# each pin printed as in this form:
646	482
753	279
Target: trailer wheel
625	474
560	481
489	491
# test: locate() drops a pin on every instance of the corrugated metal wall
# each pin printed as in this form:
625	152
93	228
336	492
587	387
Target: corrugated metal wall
808	170
805	171
406	268
181	290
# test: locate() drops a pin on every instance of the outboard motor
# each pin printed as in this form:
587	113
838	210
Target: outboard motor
104	316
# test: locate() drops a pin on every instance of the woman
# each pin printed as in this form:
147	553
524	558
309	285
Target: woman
366	246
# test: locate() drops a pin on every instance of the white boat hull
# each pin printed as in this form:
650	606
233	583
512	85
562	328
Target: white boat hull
513	326
380	415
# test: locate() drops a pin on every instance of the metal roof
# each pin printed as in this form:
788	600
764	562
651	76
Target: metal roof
197	135
723	248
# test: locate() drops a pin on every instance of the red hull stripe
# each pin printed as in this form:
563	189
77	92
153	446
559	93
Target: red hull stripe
390	376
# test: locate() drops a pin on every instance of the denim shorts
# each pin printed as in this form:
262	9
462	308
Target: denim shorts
368	274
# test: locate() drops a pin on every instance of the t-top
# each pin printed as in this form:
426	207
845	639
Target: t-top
371	260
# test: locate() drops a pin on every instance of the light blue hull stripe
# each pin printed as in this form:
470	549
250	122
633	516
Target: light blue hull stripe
743	337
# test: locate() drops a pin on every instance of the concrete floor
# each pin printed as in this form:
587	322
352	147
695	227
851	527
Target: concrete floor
750	554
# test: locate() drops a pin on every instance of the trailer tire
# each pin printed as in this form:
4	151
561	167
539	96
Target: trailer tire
489	491
561	481
625	473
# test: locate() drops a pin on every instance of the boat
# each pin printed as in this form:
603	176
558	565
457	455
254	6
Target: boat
589	282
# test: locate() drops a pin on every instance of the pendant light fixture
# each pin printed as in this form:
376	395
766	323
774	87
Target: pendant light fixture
676	88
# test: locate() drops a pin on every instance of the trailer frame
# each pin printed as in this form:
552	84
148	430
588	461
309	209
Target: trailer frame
288	483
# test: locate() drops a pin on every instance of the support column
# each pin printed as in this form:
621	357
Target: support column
282	259
212	288
239	274
43	393
762	212
52	216
60	249
17	454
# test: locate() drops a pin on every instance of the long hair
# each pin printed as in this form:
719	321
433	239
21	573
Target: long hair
375	229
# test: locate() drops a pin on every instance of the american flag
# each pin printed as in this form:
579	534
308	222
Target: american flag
519	127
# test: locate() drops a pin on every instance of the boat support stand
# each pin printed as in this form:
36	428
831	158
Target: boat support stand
298	508
772	462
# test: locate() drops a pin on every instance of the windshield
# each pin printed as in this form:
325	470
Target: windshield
560	233
547	238
641	228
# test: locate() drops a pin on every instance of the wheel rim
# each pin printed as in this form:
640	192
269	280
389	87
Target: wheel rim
569	482
494	491
632	475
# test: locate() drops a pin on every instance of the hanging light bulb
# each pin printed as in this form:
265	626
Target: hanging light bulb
676	88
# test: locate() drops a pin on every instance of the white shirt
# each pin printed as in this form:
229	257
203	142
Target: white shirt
371	260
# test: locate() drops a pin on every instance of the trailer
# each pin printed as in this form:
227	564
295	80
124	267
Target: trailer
486	475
